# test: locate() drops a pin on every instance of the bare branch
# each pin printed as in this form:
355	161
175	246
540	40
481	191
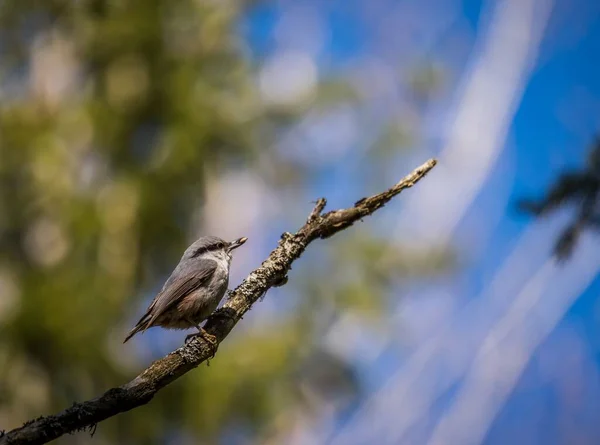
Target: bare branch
272	272
316	212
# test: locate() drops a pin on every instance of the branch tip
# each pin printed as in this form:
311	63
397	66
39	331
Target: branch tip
316	211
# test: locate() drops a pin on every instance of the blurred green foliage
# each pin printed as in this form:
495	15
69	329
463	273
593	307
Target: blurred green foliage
111	114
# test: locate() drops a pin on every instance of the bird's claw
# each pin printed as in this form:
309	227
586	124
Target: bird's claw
210	339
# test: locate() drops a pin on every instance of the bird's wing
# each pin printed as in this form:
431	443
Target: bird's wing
181	286
172	292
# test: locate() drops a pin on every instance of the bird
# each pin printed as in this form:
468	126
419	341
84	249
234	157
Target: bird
194	289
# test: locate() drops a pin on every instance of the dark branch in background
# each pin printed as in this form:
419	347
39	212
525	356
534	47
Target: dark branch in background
272	272
581	188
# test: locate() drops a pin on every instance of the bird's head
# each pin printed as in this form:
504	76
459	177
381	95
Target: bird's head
207	246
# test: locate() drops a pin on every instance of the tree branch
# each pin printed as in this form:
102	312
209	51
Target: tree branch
272	272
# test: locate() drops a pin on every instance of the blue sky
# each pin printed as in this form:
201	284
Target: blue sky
555	120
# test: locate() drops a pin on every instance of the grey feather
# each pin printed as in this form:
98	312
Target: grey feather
179	285
194	289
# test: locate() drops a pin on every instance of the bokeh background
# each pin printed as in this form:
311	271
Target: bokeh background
127	129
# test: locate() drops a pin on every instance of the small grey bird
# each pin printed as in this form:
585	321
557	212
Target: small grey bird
194	289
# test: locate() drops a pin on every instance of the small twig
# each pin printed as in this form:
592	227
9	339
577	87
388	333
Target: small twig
272	272
316	211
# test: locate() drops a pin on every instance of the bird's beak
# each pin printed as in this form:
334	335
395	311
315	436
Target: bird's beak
237	243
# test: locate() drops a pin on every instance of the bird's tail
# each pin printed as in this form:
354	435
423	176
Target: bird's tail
141	325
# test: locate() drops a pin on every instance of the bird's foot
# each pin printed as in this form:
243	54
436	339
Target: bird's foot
210	339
